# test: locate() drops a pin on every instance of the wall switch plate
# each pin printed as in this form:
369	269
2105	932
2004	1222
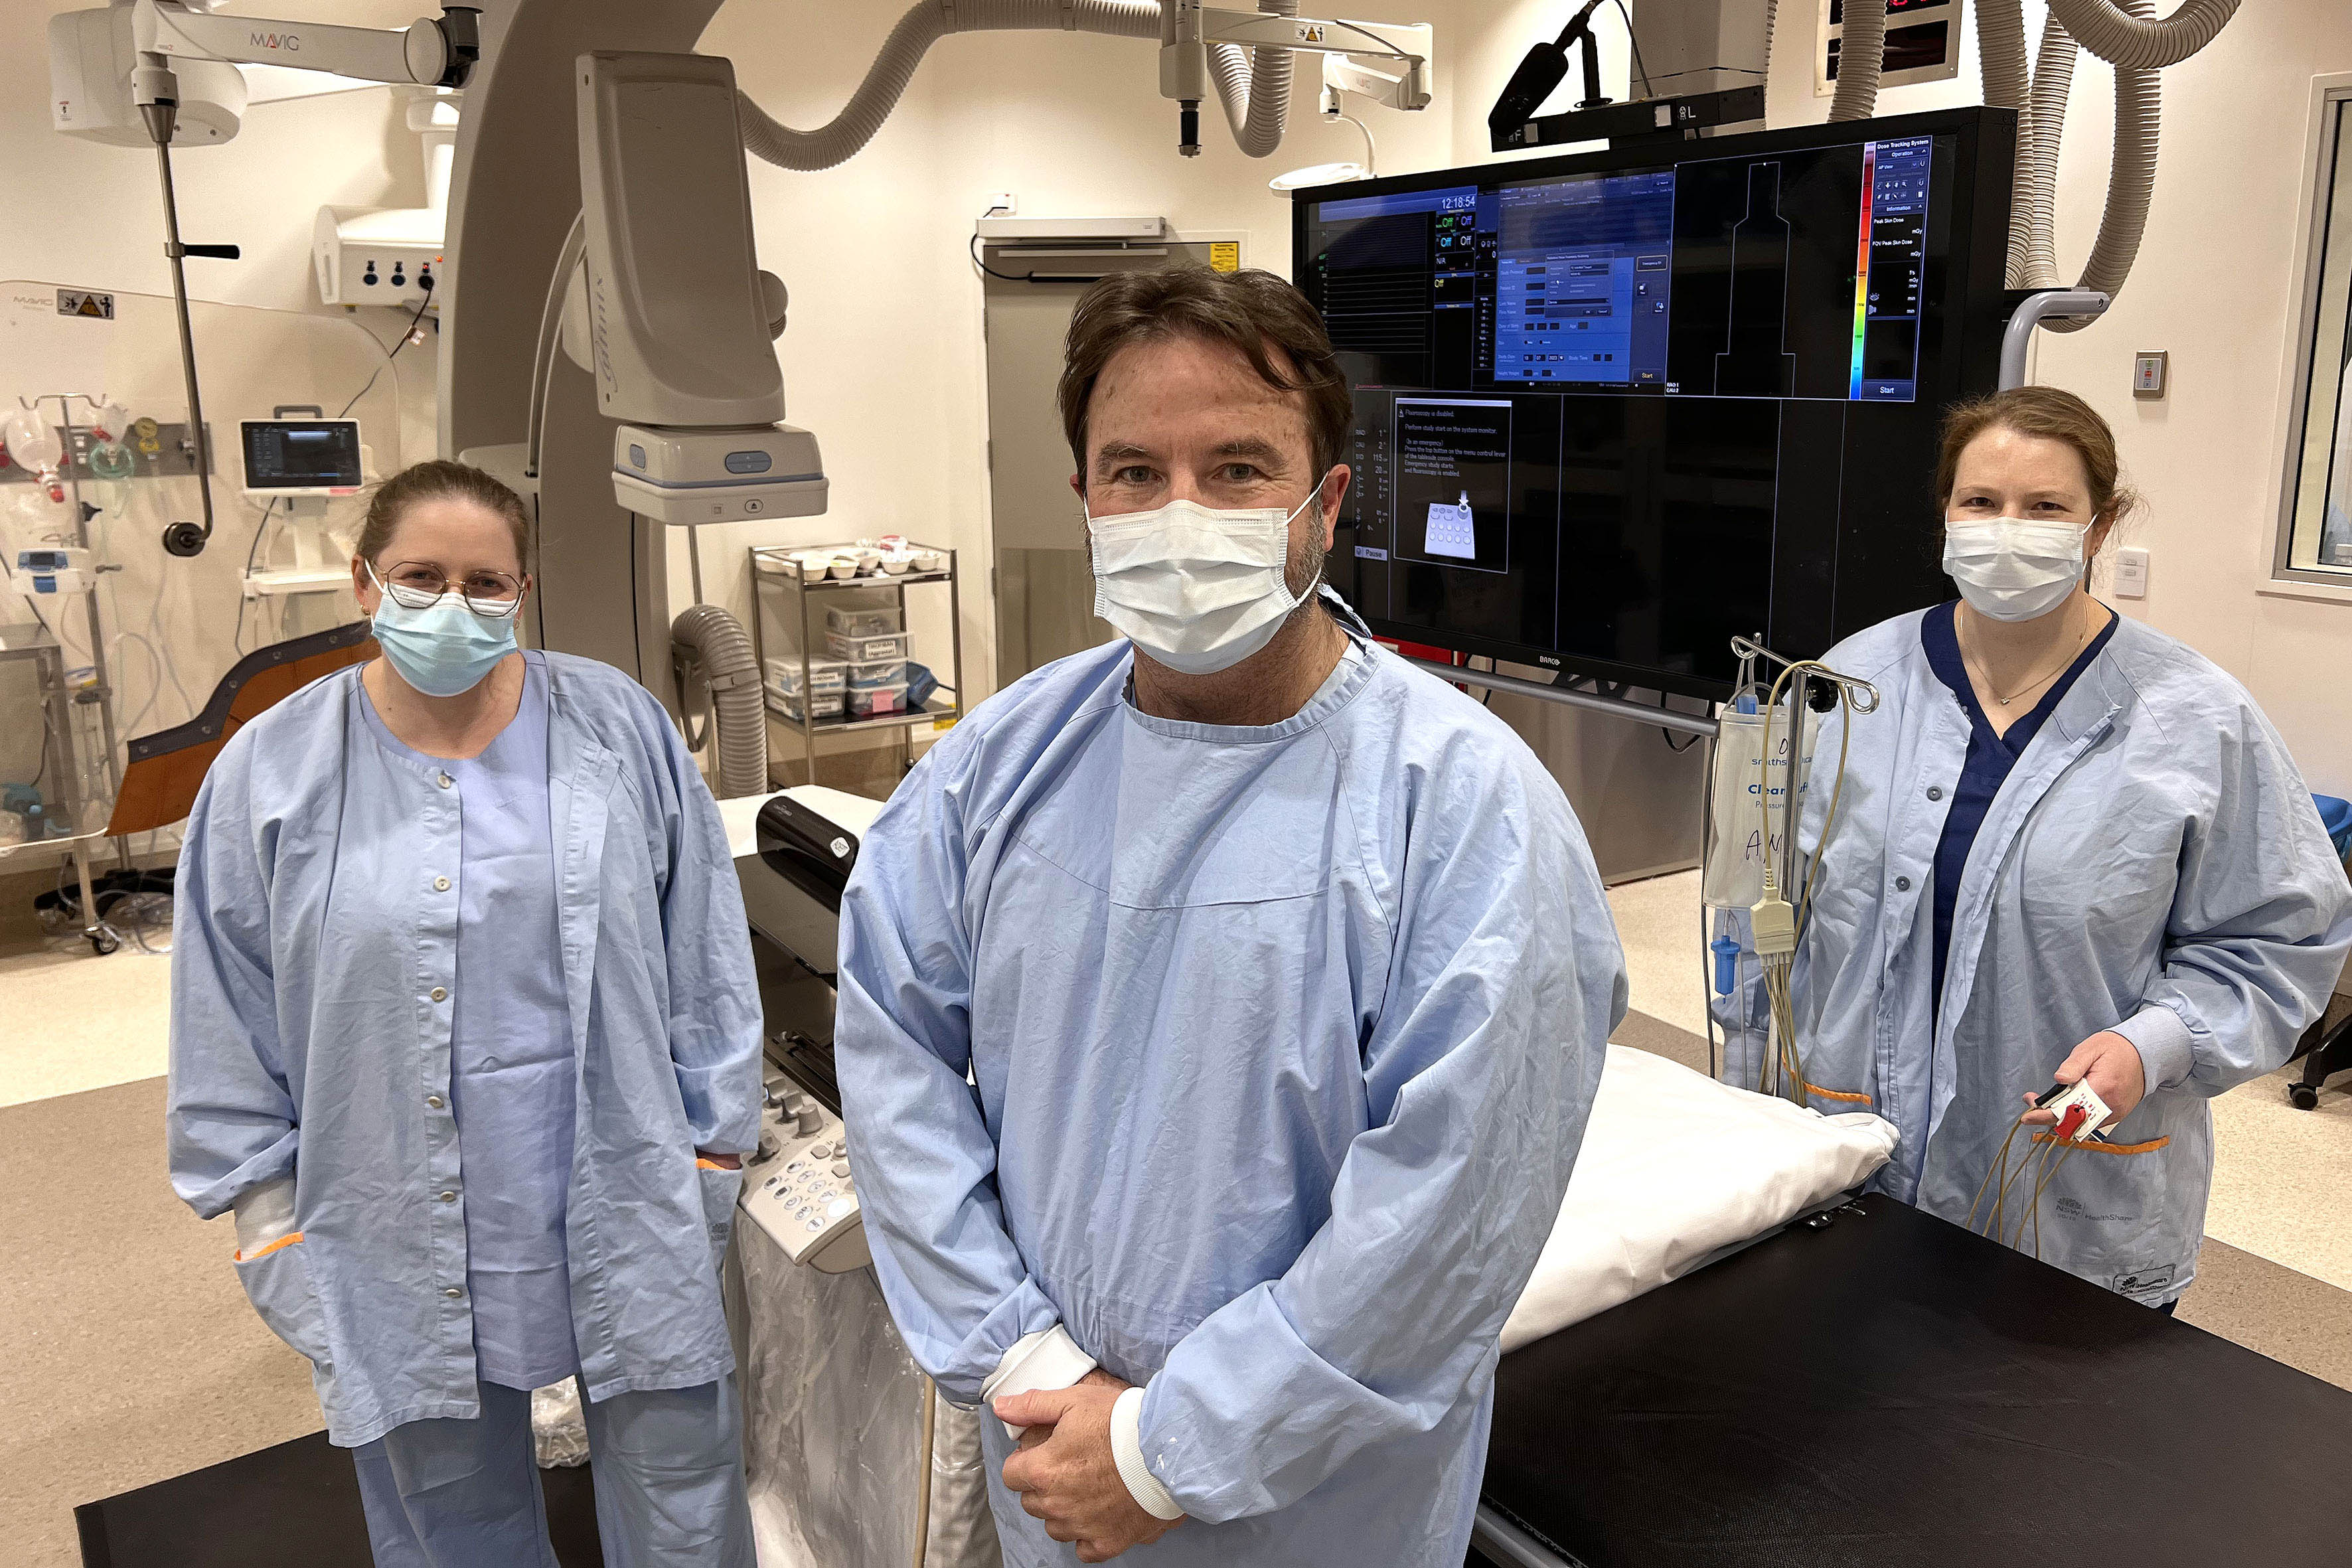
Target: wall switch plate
2150	372
2131	573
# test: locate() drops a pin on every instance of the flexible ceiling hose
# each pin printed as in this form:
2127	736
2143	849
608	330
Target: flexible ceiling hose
1255	86
1256	109
2129	34
1861	56
722	650
2032	255
2131	183
2000	52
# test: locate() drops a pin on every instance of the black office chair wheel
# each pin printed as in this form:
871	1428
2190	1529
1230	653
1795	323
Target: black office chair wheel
2305	1097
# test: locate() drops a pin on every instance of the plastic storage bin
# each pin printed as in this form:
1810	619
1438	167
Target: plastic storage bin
883	672
865	701
827	678
824	675
860	622
866	649
828	706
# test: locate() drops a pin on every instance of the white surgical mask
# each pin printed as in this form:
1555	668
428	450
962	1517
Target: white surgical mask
1198	589
2012	570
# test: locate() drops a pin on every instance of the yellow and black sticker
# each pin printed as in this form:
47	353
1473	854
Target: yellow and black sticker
1224	255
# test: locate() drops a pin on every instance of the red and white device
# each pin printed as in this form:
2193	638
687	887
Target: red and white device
2081	1112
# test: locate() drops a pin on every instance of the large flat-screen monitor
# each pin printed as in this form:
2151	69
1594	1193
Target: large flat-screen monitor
1612	408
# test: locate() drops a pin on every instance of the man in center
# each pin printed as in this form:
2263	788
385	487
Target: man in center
1221	1007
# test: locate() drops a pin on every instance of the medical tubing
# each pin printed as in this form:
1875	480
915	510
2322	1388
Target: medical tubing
1255	87
894	67
1861	56
2044	1187
2126	34
2129	34
2000	1162
2001	53
174	251
719	643
551	333
923	1482
2131	182
2033	199
2026	1214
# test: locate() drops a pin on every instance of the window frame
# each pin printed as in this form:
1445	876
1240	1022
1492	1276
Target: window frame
2325	167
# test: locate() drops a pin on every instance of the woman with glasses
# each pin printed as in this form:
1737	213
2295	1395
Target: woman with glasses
464	1033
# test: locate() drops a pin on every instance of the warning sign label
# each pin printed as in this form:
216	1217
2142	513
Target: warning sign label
85	302
1225	255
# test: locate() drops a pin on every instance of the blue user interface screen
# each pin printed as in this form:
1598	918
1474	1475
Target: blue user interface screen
1588	403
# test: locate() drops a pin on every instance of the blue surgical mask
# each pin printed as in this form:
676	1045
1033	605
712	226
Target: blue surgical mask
442	649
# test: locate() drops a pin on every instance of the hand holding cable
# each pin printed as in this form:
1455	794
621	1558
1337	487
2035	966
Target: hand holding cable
2111	1065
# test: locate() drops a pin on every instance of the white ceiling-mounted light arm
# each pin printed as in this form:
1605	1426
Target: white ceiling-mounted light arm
1385	79
1399	77
430	51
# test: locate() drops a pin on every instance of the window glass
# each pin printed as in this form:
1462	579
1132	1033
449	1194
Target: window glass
2319	516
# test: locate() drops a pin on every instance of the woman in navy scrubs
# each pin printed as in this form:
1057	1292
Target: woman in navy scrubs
2068	848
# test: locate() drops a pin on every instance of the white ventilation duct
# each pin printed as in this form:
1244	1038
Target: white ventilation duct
1257	95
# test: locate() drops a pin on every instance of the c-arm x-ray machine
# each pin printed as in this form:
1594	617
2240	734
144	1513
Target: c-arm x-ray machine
605	325
605	322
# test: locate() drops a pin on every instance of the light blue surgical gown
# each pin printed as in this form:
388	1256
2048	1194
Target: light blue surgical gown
2152	865
510	1045
1284	1038
313	967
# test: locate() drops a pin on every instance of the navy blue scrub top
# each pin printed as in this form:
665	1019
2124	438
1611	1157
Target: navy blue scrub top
1990	758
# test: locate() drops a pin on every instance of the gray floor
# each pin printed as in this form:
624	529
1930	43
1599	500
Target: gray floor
128	1354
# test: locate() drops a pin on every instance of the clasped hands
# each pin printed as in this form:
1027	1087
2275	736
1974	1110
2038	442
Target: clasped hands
1065	1474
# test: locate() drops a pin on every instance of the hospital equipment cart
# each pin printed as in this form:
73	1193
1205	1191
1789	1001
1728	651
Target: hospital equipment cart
793	589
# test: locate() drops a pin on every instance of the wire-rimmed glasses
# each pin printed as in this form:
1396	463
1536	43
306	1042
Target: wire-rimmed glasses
415	584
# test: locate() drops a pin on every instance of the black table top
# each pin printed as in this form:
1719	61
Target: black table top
1893	1390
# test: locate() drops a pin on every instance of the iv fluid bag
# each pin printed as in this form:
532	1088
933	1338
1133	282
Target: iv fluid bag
1747	790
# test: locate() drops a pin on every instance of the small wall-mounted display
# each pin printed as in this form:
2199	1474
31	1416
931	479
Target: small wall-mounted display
296	459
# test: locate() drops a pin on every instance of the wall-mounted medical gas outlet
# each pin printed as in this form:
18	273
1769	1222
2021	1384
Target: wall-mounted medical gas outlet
1923	43
2151	372
365	256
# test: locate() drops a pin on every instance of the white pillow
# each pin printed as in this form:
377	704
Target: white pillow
1675	1166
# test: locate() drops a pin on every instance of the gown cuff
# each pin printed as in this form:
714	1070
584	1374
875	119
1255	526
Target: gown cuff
263	1214
2165	1056
1127	1451
1048	1358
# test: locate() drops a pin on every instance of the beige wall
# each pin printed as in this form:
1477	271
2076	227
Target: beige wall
2212	287
87	215
884	357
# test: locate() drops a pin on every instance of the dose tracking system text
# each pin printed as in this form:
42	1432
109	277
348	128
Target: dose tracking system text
1590	404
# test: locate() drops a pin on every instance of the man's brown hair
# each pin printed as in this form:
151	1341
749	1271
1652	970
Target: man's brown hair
1260	316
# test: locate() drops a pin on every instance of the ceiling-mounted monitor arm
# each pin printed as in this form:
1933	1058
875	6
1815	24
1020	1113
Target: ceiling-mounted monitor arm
430	52
1398	76
2030	313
